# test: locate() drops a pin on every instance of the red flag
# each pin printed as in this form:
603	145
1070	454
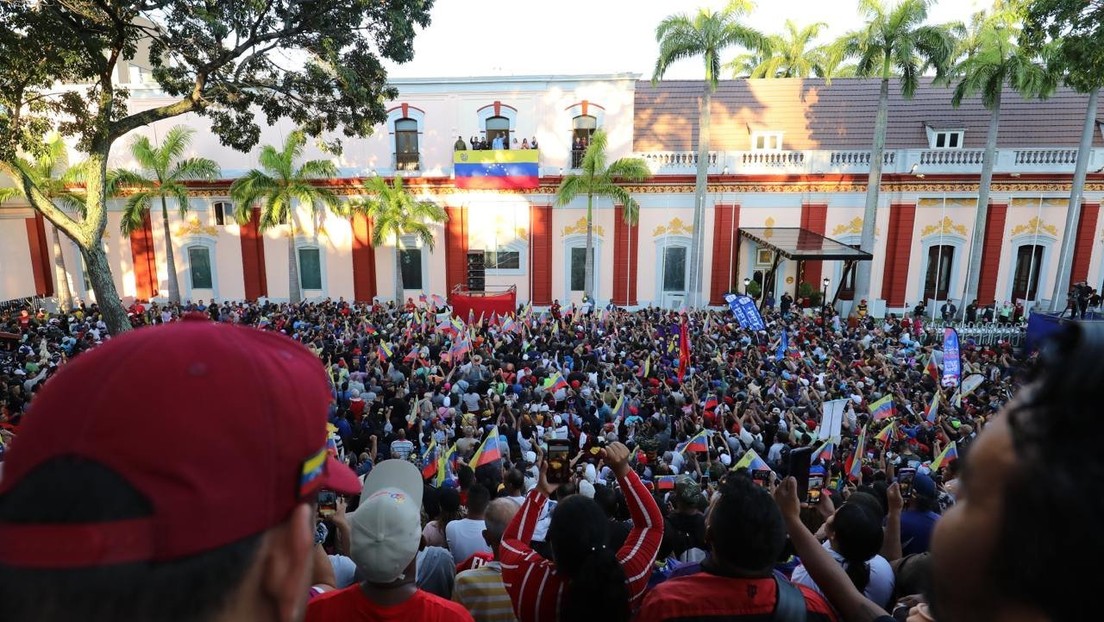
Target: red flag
684	348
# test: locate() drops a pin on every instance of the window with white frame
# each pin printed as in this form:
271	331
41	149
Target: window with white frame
199	267
766	141
224	213
406	145
946	139
310	268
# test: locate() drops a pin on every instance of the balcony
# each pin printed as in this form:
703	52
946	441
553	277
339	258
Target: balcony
406	161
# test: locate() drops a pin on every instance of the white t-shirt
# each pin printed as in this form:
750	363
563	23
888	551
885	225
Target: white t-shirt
878	590
465	538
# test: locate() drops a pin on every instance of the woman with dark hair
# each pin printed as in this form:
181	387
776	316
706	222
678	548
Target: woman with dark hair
434	532
586	580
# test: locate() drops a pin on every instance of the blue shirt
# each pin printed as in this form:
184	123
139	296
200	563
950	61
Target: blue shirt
916	530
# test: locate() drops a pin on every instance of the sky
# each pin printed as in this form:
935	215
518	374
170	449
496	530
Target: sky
525	37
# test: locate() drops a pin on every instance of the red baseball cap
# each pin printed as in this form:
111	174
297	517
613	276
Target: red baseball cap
221	428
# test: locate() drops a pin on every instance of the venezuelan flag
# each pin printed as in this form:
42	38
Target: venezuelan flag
698	444
751	461
499	169
556	382
824	453
887	434
882	409
950	452
429	460
444	463
488	452
384	351
931	414
854	467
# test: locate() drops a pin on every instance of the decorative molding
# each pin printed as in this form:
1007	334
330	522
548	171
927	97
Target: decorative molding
853	228
580	227
674	227
192	226
944	227
769	222
1035	226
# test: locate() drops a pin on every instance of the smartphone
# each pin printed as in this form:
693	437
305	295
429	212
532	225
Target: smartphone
559	465
761	477
904	481
815	489
799	468
327	503
704	479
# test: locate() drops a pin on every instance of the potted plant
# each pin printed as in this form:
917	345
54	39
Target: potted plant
804	294
754	289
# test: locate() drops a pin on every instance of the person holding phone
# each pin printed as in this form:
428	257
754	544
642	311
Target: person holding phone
586	580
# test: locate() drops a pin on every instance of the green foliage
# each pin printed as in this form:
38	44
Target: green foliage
804	289
754	289
1076	30
395	212
163	170
706	33
278	184
896	41
599	180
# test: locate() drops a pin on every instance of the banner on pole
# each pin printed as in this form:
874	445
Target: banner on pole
745	312
952	362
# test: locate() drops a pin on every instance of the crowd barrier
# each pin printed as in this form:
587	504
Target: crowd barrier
988	333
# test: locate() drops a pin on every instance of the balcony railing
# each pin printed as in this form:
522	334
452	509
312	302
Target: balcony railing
859	158
407	161
953	157
677	159
1046	156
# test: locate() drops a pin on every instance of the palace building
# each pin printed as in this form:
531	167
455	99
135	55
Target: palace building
788	166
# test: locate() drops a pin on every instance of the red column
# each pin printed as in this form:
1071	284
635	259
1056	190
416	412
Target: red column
1082	249
902	218
253	257
814	217
726	220
626	244
540	250
991	254
364	259
456	249
145	261
40	256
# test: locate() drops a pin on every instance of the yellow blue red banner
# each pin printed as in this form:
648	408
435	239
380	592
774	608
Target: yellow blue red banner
497	169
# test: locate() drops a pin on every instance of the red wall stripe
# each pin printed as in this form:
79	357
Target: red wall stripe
726	221
995	220
41	267
253	257
456	249
540	234
364	259
1082	250
626	245
902	218
814	217
145	261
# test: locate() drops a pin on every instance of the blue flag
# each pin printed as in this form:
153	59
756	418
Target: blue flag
783	345
745	312
952	363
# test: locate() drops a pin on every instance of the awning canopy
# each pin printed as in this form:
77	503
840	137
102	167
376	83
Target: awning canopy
798	243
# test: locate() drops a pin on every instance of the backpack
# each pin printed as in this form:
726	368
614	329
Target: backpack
790	604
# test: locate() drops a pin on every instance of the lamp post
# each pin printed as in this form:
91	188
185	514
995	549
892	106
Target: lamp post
746	282
824	302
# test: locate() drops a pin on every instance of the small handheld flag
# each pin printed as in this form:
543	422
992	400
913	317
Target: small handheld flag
698	443
854	468
556	382
882	409
751	461
950	452
429	460
887	434
931	413
488	451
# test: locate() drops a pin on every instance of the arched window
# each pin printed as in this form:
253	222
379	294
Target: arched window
582	127
937	274
406	145
496	128
1025	279
199	267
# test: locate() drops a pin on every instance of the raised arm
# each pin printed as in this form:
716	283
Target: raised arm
639	551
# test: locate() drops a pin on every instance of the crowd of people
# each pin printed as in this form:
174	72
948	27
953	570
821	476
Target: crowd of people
564	464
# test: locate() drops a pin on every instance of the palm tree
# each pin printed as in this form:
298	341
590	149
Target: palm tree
161	175
280	185
52	174
705	34
895	40
600	180
394	213
993	60
791	54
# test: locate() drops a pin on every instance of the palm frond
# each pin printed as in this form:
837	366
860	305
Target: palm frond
195	168
7	194
569	188
317	169
133	210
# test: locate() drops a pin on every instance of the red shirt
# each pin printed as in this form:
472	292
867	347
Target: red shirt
703	596
351	604
535	587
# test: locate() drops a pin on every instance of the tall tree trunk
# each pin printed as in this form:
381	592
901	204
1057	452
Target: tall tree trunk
977	243
873	180
400	289
170	256
295	295
1073	215
61	276
588	264
700	185
107	297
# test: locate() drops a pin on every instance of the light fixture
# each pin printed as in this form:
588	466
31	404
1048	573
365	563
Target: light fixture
826	282
724	171
912	171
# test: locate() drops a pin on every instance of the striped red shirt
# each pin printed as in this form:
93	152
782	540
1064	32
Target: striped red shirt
531	580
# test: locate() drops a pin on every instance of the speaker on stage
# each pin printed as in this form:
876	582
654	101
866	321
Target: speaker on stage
476	271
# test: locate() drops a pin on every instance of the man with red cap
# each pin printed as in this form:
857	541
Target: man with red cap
170	474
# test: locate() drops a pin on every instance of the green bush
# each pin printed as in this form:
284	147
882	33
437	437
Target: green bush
754	289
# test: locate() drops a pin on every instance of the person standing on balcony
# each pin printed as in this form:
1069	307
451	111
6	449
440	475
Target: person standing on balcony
460	145
971	311
474	143
948	311
524	143
497	143
533	143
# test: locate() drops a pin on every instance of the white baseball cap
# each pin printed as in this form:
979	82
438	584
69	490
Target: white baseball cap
386	527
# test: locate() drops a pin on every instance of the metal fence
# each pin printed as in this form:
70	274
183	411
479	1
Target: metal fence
989	333
29	302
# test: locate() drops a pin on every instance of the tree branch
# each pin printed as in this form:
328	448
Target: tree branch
43	204
138	119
